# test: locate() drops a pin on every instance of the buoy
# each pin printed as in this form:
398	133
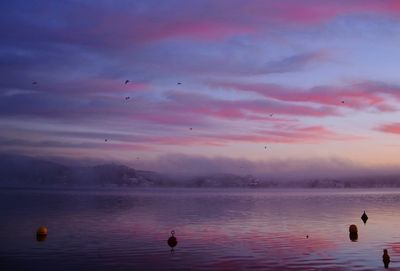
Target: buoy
41	238
172	242
353	233
386	258
42	231
353	229
41	234
364	217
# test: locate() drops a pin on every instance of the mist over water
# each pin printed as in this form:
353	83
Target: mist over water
282	169
216	229
192	171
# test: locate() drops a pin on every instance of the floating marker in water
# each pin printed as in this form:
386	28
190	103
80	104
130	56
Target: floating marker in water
353	233
42	231
172	242
364	217
386	258
353	229
41	234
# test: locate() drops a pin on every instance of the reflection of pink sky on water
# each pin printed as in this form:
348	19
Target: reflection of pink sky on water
395	247
215	231
248	241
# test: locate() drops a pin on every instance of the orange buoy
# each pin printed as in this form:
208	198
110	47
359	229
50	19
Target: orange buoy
41	234
42	231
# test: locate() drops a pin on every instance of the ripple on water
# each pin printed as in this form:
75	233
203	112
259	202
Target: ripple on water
216	230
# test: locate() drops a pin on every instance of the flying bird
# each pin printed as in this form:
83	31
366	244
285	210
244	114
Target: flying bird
126	82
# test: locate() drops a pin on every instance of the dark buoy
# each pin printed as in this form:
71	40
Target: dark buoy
307	236
40	238
41	234
353	233
172	242
353	229
364	217
386	258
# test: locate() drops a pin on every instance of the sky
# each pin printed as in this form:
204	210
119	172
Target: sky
231	80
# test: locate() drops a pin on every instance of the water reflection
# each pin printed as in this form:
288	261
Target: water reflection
353	236
221	230
41	238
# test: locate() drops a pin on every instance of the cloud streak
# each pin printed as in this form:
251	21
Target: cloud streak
358	96
391	128
249	73
105	25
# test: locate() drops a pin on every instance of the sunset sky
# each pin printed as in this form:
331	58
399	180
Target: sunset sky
309	80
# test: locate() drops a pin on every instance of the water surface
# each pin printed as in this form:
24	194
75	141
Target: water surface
216	229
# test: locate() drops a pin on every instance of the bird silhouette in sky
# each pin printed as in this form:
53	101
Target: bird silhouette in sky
126	82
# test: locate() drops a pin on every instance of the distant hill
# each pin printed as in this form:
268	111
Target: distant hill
23	171
26	171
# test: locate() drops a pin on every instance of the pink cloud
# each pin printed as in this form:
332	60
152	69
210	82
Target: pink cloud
108	26
392	128
290	134
88	142
238	109
358	96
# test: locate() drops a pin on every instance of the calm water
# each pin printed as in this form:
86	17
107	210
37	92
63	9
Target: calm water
216	230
